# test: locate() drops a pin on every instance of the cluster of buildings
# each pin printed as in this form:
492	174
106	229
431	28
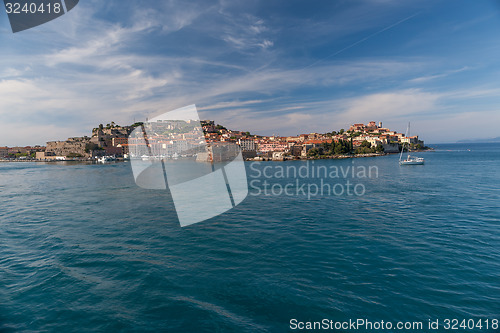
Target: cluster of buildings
105	141
166	139
300	145
176	138
20	152
377	134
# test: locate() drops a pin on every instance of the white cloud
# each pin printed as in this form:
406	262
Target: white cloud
246	32
226	105
266	43
12	72
389	105
438	76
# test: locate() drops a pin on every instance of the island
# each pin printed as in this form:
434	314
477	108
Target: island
112	140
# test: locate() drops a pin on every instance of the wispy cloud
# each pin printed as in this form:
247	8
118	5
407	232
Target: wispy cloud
231	104
438	76
242	30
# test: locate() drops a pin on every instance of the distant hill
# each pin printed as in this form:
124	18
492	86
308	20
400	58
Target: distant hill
497	139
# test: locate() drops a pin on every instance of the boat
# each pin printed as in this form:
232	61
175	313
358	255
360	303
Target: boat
410	160
104	159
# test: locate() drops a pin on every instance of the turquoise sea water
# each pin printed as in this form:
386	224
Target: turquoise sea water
82	248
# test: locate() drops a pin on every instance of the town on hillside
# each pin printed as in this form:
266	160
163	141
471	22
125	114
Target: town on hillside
114	140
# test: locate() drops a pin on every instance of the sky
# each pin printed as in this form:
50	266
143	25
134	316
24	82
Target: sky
268	67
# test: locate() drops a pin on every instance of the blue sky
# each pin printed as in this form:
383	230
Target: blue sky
270	67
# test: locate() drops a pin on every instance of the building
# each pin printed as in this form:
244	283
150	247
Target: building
357	127
4	151
374	141
296	150
247	144
411	139
103	137
48	156
118	141
271	146
40	155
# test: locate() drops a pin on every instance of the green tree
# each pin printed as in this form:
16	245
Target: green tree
365	144
341	147
313	152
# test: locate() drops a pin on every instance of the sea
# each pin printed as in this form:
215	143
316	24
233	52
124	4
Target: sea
84	249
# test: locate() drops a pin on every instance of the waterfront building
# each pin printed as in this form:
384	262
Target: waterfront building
247	144
4	151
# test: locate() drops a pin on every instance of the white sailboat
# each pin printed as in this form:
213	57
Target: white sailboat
409	159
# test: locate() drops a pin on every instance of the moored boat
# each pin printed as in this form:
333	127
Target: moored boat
409	159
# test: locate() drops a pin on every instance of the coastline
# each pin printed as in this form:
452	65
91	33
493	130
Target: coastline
258	159
59	161
112	141
331	157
